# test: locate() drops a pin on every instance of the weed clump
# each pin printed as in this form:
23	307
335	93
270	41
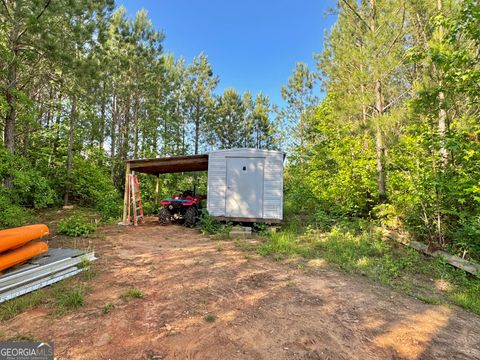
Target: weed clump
133	293
76	225
210	318
107	308
68	299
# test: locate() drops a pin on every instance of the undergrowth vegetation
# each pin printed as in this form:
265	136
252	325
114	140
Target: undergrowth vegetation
210	226
76	225
359	247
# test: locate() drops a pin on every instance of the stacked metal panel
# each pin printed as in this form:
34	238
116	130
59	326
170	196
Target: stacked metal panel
43	270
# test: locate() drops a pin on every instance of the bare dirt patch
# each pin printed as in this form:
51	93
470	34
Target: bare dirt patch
202	302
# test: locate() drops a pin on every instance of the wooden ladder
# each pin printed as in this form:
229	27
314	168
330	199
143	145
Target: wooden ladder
134	200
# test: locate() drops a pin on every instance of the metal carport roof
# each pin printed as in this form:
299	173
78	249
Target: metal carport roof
171	164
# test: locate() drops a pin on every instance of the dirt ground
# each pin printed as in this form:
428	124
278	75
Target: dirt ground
263	309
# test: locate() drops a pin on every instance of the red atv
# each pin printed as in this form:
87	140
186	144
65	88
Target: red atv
180	207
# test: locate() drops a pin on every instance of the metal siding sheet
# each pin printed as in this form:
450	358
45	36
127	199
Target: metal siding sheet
216	185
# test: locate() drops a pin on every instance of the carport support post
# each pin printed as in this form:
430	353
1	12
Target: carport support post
125	194
157	185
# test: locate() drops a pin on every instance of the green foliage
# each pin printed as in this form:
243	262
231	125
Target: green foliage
30	189
115	95
209	225
13	215
93	187
76	225
261	229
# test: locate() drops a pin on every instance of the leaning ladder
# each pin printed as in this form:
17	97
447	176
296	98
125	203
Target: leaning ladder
135	200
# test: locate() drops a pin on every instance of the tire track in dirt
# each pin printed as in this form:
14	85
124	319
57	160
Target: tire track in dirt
263	309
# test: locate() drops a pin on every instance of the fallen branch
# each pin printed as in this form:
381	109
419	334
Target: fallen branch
453	260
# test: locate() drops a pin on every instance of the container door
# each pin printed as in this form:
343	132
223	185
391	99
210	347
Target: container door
244	197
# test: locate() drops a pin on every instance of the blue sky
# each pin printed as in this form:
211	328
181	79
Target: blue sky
252	45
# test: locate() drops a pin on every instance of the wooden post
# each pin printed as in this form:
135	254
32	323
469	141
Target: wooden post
157	186
125	194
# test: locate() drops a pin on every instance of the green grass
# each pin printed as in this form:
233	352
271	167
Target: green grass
22	337
430	299
12	308
88	274
133	293
64	296
68	298
362	250
210	318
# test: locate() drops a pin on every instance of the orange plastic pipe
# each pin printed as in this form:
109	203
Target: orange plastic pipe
16	237
17	256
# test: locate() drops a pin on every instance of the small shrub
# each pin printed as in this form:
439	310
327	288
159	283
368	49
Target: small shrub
14	216
387	215
76	225
11	214
208	225
109	207
261	229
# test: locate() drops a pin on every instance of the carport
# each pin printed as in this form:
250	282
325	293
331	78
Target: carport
163	165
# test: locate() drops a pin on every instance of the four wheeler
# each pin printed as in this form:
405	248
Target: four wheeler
181	207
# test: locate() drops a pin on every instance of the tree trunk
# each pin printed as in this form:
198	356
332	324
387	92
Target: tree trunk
442	128
379	107
9	129
10	97
113	137
58	119
73	115
135	128
197	126
101	130
379	144
50	105
442	113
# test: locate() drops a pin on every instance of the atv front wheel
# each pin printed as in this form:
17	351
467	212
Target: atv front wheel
164	216
190	216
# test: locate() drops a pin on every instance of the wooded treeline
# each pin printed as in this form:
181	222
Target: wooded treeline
397	137
84	87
